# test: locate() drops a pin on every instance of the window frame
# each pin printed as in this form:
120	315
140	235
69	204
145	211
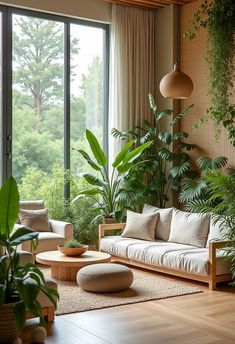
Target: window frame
7	13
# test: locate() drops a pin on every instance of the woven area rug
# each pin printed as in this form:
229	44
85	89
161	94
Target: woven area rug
144	288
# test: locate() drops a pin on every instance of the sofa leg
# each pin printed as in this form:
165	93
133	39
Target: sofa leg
50	314
212	284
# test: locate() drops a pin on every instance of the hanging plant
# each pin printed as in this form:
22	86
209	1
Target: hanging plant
218	17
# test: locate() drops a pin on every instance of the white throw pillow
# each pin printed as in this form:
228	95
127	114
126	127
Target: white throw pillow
140	226
164	221
217	232
189	228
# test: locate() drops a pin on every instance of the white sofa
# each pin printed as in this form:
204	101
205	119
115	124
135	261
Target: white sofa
185	244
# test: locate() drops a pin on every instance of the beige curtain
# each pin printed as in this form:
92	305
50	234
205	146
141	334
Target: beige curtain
132	61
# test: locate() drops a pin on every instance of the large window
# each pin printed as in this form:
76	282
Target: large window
56	88
37	97
87	87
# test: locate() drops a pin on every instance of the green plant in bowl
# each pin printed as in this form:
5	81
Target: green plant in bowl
72	248
72	244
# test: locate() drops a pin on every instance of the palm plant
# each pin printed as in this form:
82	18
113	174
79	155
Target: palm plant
167	160
18	285
196	189
220	204
109	192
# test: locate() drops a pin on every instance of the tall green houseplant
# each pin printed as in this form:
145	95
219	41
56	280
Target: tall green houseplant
108	189
166	160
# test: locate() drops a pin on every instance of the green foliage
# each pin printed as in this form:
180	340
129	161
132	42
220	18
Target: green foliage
220	204
163	164
108	192
197	188
72	244
25	282
38	55
218	17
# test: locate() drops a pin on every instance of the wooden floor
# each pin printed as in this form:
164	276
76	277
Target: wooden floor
208	317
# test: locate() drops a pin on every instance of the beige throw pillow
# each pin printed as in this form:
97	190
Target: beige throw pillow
140	226
189	228
35	219
164	220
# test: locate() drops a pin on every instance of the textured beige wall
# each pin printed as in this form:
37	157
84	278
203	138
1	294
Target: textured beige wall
193	63
165	43
90	9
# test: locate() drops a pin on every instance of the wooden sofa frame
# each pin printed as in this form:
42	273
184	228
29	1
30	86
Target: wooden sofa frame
212	279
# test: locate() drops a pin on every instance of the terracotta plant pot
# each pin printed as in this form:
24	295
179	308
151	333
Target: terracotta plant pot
108	220
8	329
72	251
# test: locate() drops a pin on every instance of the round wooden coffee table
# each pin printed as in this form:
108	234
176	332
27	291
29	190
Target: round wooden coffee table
65	268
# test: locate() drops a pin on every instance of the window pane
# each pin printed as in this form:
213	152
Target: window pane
1	119
38	110
87	84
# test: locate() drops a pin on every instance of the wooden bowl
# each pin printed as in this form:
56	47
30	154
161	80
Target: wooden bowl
72	251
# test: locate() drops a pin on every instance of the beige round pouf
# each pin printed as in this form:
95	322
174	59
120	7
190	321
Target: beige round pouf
105	277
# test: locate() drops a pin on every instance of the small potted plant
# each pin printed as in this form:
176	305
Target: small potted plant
72	248
19	285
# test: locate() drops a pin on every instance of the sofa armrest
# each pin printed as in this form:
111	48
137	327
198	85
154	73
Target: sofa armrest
213	246
109	227
65	229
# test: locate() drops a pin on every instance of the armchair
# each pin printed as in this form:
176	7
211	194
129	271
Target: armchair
60	231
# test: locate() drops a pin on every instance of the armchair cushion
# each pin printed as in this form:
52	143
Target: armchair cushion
35	219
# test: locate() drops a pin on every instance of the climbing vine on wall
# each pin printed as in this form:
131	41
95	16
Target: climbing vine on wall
218	17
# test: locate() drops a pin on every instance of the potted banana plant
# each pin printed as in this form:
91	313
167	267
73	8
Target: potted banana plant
19	285
108	189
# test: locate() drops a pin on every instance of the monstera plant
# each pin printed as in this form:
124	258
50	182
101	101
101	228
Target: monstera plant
109	190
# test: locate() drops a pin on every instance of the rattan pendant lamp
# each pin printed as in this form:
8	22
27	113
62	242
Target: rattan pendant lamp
176	84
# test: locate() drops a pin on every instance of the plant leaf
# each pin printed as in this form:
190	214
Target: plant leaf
21	235
20	314
134	154
92	180
165	137
122	154
9	205
89	160
2	294
89	192
96	149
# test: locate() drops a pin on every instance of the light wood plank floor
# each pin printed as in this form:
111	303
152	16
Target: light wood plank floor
208	317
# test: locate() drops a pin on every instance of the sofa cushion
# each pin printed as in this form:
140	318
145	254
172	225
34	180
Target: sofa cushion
35	219
217	232
164	220
140	226
189	228
118	246
165	254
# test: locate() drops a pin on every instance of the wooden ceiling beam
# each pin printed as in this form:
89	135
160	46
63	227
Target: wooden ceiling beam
150	3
